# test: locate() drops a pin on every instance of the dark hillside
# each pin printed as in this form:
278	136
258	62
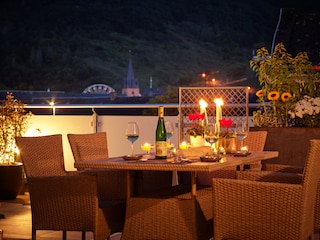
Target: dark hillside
70	44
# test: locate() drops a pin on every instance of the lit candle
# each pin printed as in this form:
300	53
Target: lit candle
170	145
244	150
222	150
174	151
146	147
219	103
183	145
203	106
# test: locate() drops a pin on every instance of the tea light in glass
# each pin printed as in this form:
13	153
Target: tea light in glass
244	149
183	146
146	147
222	150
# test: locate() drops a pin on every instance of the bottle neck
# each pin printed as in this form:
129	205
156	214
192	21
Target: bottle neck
161	112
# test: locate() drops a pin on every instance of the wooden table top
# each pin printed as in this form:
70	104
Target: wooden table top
193	165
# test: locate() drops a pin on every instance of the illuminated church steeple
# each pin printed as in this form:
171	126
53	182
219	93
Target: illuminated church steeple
130	83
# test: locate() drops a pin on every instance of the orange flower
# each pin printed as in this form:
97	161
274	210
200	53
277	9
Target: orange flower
260	93
273	96
285	96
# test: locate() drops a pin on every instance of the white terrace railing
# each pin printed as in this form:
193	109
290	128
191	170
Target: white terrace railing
56	121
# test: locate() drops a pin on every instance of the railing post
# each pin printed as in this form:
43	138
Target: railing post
94	122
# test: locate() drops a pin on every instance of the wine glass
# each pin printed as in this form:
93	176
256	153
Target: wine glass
132	133
211	135
241	132
169	129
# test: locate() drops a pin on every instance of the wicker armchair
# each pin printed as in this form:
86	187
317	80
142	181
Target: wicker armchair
297	169
281	209
93	146
169	214
67	203
42	156
43	160
255	140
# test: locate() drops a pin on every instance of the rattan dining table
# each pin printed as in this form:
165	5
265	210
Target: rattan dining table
181	212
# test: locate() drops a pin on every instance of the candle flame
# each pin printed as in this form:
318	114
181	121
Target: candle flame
203	103
218	101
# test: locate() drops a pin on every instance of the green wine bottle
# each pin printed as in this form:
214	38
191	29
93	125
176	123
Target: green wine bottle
161	136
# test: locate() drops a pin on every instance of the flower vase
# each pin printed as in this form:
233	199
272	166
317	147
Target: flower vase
228	144
197	141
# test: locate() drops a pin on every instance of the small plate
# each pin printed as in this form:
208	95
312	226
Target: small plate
241	154
132	157
210	158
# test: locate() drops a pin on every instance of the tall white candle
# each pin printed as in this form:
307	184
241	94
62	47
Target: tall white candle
203	106
219	103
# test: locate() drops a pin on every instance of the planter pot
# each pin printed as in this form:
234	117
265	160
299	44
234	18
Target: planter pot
197	141
292	143
11	179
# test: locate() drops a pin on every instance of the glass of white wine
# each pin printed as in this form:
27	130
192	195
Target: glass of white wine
241	131
132	134
169	132
211	135
169	129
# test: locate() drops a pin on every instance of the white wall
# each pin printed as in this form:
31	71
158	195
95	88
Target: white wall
48	125
115	127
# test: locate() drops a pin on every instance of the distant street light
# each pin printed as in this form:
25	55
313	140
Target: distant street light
209	78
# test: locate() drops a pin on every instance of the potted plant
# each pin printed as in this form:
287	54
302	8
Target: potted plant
14	121
290	103
289	85
196	132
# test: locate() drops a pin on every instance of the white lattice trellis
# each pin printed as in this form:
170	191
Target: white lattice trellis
235	106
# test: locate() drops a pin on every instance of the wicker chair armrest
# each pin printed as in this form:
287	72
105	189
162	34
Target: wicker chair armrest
236	201
267	176
254	192
283	168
